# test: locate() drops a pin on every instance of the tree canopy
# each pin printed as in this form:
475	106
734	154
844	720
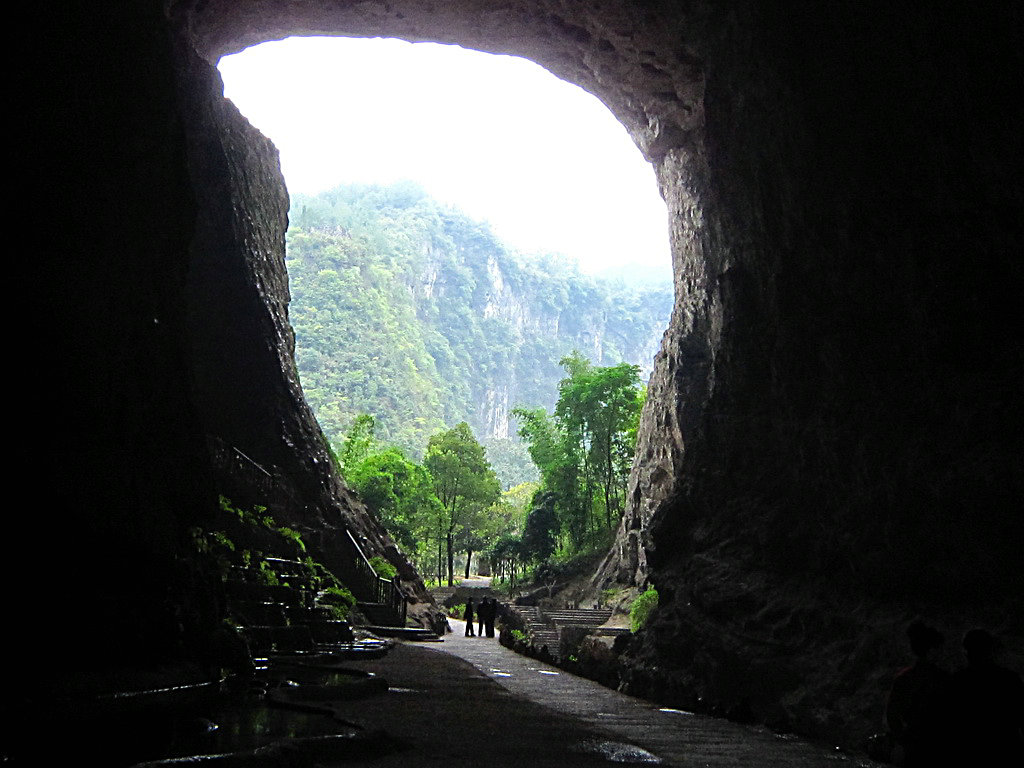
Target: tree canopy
584	451
464	483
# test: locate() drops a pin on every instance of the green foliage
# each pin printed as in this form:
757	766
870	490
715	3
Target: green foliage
383	568
257	517
538	541
641	609
357	443
214	545
339	599
267	575
412	312
292	535
585	450
465	485
399	494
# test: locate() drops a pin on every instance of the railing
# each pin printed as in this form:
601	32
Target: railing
361	578
240	468
378	589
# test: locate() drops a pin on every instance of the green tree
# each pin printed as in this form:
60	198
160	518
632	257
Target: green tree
358	442
464	483
585	450
506	555
399	494
600	409
538	541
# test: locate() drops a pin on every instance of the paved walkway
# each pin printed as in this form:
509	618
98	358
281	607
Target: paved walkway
678	738
476	582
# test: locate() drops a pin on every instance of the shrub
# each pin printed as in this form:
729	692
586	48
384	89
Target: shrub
641	609
383	568
339	599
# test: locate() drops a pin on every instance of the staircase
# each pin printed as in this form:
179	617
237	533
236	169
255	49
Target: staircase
544	625
578	617
287	621
380	600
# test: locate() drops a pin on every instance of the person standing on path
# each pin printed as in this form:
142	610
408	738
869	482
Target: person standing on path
492	615
468	616
481	613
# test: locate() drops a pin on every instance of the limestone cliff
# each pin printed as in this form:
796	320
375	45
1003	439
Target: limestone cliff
413	312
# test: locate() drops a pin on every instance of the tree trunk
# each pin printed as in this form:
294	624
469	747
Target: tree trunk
440	570
469	559
450	540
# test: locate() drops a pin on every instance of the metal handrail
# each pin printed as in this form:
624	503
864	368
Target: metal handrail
374	587
384	591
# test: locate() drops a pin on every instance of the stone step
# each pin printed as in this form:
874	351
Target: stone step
235	589
598	616
415	634
573	622
331	632
364	648
378	614
258	613
278	639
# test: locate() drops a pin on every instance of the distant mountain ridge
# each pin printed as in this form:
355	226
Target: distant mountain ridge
415	313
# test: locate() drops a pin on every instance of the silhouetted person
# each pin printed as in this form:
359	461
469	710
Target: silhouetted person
988	706
481	613
916	709
492	614
468	616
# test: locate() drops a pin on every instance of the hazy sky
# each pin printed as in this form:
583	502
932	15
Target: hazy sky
542	160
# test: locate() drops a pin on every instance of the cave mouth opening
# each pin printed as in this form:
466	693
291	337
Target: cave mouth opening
651	81
500	137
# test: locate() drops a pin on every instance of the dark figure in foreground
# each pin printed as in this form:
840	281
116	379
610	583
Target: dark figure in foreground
988	704
916	707
492	614
481	613
468	616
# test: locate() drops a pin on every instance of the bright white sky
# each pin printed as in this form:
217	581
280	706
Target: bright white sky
501	138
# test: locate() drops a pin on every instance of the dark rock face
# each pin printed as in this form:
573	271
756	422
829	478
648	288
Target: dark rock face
833	437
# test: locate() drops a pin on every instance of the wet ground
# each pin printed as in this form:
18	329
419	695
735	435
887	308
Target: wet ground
674	737
463	702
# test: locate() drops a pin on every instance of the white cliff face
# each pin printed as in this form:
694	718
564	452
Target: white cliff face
428	277
505	303
494	411
597	330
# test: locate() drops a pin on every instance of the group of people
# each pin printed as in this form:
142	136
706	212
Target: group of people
974	716
485	612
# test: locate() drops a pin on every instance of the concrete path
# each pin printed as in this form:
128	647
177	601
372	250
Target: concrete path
476	582
678	738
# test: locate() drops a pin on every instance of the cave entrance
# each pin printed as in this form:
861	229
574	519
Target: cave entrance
537	161
651	80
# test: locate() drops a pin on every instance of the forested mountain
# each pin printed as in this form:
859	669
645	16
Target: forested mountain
408	310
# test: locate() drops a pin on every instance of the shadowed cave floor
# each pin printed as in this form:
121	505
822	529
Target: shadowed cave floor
472	702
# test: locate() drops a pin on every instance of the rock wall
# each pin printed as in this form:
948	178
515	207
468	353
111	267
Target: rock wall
245	382
833	445
110	461
833	441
